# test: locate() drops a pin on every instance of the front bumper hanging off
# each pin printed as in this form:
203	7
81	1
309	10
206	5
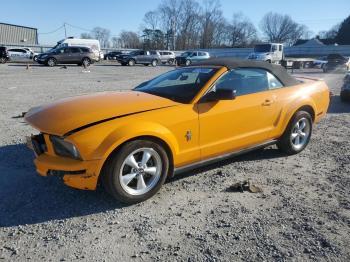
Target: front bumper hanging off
81	174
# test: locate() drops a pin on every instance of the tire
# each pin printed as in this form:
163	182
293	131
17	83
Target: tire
86	62
297	134
131	62
188	62
138	184
171	61
35	58
269	61
324	68
2	60
51	62
154	63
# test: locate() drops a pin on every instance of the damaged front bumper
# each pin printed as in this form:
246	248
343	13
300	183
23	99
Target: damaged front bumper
81	174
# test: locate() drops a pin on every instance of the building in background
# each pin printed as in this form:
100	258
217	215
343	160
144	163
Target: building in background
18	35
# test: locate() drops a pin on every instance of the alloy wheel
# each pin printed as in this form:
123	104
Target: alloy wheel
86	62
140	171
300	133
51	62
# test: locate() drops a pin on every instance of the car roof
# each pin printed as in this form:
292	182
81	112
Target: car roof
233	63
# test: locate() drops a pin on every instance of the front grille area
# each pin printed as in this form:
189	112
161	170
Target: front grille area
39	145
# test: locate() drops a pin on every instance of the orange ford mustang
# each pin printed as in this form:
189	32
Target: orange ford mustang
132	141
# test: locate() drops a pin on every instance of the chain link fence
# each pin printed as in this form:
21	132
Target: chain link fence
294	51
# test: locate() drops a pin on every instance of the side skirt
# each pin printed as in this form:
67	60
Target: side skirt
209	161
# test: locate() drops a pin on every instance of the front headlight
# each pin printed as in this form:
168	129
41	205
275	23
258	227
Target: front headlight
64	148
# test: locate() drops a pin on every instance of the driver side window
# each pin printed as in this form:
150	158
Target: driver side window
247	81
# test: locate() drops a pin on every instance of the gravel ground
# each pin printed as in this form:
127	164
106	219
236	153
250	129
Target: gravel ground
302	214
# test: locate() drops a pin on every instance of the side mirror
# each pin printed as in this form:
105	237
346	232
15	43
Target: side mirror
220	94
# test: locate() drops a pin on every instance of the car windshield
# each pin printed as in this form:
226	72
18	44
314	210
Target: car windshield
262	48
180	85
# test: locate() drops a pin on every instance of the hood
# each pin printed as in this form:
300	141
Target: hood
68	114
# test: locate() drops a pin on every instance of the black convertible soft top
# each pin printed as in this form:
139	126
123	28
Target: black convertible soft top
232	63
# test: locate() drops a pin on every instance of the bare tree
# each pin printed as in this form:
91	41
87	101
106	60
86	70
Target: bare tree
152	20
102	35
211	17
221	36
169	14
129	39
301	32
189	25
115	42
86	36
241	31
330	34
281	28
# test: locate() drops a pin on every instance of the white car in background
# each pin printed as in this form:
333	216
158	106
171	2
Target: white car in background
21	54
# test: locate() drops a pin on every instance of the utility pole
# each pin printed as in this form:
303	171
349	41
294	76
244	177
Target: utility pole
65	31
173	29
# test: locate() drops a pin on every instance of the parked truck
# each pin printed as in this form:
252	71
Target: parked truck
274	53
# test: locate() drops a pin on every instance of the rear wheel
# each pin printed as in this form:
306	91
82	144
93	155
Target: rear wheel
136	172
154	63
297	134
86	62
171	61
188	62
51	62
2	60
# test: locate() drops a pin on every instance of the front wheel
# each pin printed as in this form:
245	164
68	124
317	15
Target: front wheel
297	134
136	172
2	60
51	62
131	62
188	62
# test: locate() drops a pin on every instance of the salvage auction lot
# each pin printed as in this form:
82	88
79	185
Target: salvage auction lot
303	212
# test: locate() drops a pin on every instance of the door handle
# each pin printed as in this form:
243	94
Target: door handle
267	102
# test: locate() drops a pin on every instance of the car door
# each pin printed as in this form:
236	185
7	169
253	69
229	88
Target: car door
194	56
148	57
201	55
230	125
62	55
75	55
140	57
16	55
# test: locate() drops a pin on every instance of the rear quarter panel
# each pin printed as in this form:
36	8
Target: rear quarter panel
311	93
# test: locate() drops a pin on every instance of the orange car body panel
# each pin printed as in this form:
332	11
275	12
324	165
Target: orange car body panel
215	128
